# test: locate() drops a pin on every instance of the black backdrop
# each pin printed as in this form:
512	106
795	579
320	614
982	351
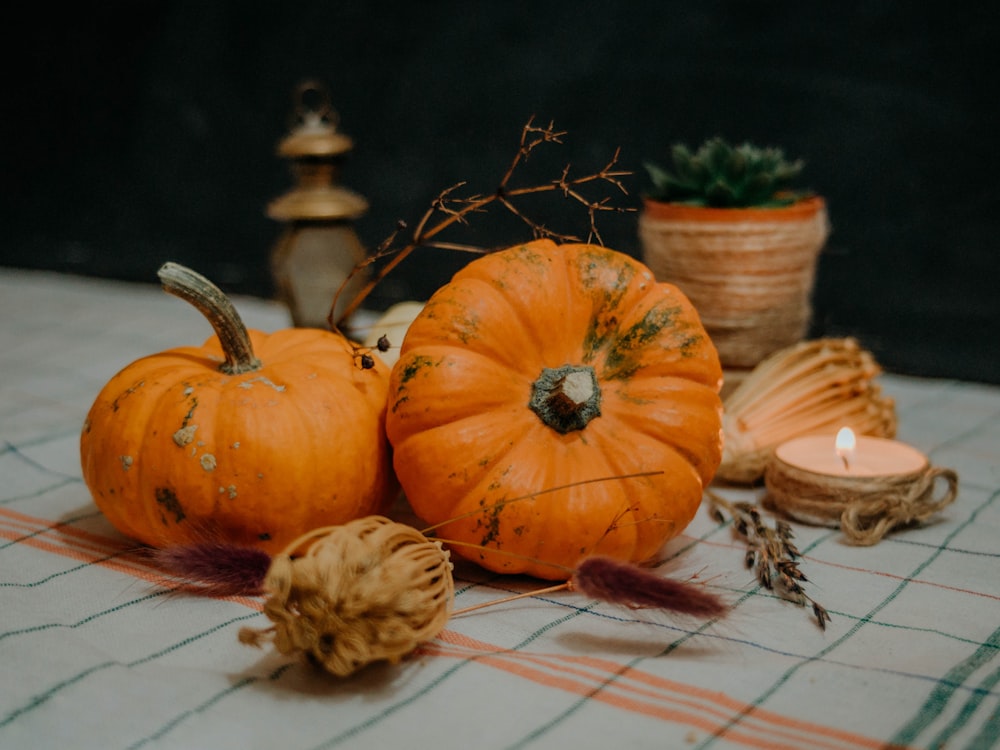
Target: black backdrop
136	133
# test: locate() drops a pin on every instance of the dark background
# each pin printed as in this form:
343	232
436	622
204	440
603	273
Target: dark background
136	133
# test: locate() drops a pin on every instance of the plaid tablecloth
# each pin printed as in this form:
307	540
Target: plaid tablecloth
98	651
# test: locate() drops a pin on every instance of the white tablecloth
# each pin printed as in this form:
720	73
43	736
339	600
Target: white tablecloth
97	651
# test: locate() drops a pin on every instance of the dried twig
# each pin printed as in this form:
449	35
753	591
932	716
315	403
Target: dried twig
771	553
449	209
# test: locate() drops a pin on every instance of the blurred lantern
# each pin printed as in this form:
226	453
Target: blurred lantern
318	248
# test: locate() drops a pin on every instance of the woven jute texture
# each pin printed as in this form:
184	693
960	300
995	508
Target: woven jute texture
750	279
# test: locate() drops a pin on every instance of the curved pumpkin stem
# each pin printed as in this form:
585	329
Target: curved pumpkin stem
217	308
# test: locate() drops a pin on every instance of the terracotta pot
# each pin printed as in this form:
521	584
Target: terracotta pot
748	271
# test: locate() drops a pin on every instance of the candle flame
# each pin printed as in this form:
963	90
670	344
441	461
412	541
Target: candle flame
844	445
845	441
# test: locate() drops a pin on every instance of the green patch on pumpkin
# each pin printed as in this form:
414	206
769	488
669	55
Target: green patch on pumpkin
621	361
691	341
489	522
415	366
603	327
466	327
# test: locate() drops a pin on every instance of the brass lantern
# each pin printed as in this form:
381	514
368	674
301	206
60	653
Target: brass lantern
318	249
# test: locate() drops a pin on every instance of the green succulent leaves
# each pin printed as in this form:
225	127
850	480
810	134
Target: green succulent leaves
720	175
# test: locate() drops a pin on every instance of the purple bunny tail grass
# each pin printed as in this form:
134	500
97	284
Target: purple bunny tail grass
215	569
625	584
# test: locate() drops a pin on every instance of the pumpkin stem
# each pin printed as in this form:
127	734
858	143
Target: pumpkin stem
217	308
566	398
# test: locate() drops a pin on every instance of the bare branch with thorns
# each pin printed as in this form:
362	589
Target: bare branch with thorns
449	209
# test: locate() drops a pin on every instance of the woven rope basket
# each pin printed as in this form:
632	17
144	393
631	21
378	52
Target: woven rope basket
748	272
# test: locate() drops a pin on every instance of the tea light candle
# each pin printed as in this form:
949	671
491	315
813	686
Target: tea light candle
866	485
849	456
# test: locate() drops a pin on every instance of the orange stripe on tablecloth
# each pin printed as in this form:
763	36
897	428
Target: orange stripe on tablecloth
881	573
920	581
834	737
122	565
33	526
64	525
593	692
128	563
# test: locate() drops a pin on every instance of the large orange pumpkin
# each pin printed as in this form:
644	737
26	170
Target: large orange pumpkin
545	365
212	444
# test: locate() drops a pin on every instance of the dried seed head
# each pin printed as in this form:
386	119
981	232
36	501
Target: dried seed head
623	583
770	553
822	616
215	569
369	590
764	577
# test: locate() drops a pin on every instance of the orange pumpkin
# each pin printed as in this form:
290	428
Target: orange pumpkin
545	365
210	443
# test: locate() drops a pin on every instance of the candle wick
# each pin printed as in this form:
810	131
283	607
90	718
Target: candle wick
847	465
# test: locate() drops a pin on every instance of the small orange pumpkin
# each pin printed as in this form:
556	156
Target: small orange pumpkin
211	443
542	366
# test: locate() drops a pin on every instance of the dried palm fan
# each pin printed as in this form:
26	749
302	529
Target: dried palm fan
813	387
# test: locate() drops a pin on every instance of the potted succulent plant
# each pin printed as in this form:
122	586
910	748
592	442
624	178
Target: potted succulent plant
725	226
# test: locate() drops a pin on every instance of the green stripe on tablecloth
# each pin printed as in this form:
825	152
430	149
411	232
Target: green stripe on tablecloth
53	690
989	733
990	730
207	704
791	671
59	484
938	700
58	574
22	457
86	620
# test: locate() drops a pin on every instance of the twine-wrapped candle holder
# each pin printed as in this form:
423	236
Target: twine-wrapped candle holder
866	502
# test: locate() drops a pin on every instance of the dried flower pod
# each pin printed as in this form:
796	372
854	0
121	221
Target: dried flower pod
388	331
367	591
813	387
